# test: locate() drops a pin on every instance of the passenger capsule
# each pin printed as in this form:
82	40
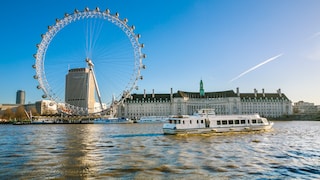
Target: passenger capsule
137	88
66	14
141	77
107	11
125	20
35	77
86	9
57	20
97	9
35	56
38	87
117	14
49	27
142	45
143	56
34	66
37	45
76	11
44	96
144	67
133	27
42	36
138	36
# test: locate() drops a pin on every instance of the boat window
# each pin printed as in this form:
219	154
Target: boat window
236	121
248	121
170	121
243	121
260	121
175	121
254	121
224	122
230	121
190	122
218	122
201	121
197	121
183	122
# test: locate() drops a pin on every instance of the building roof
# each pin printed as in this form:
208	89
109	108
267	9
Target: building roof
219	94
149	97
244	96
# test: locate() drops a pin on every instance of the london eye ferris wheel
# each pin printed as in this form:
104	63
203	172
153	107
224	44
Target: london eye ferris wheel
89	61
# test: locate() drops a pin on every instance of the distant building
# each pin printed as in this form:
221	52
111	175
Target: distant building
302	107
21	97
224	102
80	89
46	107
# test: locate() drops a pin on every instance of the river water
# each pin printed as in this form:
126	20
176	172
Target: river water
140	151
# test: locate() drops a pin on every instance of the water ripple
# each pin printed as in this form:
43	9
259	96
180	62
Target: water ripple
141	151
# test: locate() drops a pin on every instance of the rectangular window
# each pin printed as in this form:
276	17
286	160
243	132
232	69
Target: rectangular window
254	121
230	121
218	122
201	121
236	121
243	121
260	121
224	122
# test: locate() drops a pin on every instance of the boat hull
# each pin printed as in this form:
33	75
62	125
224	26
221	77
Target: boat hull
167	130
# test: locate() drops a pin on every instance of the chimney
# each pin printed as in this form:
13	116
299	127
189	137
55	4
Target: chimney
152	93
255	92
263	94
279	92
144	93
171	94
238	92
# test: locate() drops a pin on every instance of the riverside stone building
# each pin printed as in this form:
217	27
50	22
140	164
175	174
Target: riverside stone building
224	102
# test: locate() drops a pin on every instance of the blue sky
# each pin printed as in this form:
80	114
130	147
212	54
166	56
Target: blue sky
185	41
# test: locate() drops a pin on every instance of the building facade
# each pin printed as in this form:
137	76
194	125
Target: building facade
266	104
270	105
80	89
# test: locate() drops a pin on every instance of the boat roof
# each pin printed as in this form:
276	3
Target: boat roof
234	116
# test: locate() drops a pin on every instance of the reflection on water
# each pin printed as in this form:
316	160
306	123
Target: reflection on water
139	151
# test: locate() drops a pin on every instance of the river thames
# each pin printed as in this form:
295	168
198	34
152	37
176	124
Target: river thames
140	151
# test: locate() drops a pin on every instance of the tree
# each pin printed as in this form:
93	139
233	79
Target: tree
20	113
8	114
34	111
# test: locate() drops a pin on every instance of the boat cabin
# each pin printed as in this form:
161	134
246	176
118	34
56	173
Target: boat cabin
218	121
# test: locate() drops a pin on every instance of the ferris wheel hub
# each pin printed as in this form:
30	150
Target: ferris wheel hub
89	62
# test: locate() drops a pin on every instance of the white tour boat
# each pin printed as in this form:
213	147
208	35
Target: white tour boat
120	120
206	122
153	119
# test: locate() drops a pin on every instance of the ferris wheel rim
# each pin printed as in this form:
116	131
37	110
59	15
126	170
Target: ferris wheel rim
77	16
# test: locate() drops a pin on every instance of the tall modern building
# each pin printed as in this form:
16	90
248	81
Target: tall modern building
21	97
80	89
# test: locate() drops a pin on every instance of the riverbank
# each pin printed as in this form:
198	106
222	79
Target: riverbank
298	117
